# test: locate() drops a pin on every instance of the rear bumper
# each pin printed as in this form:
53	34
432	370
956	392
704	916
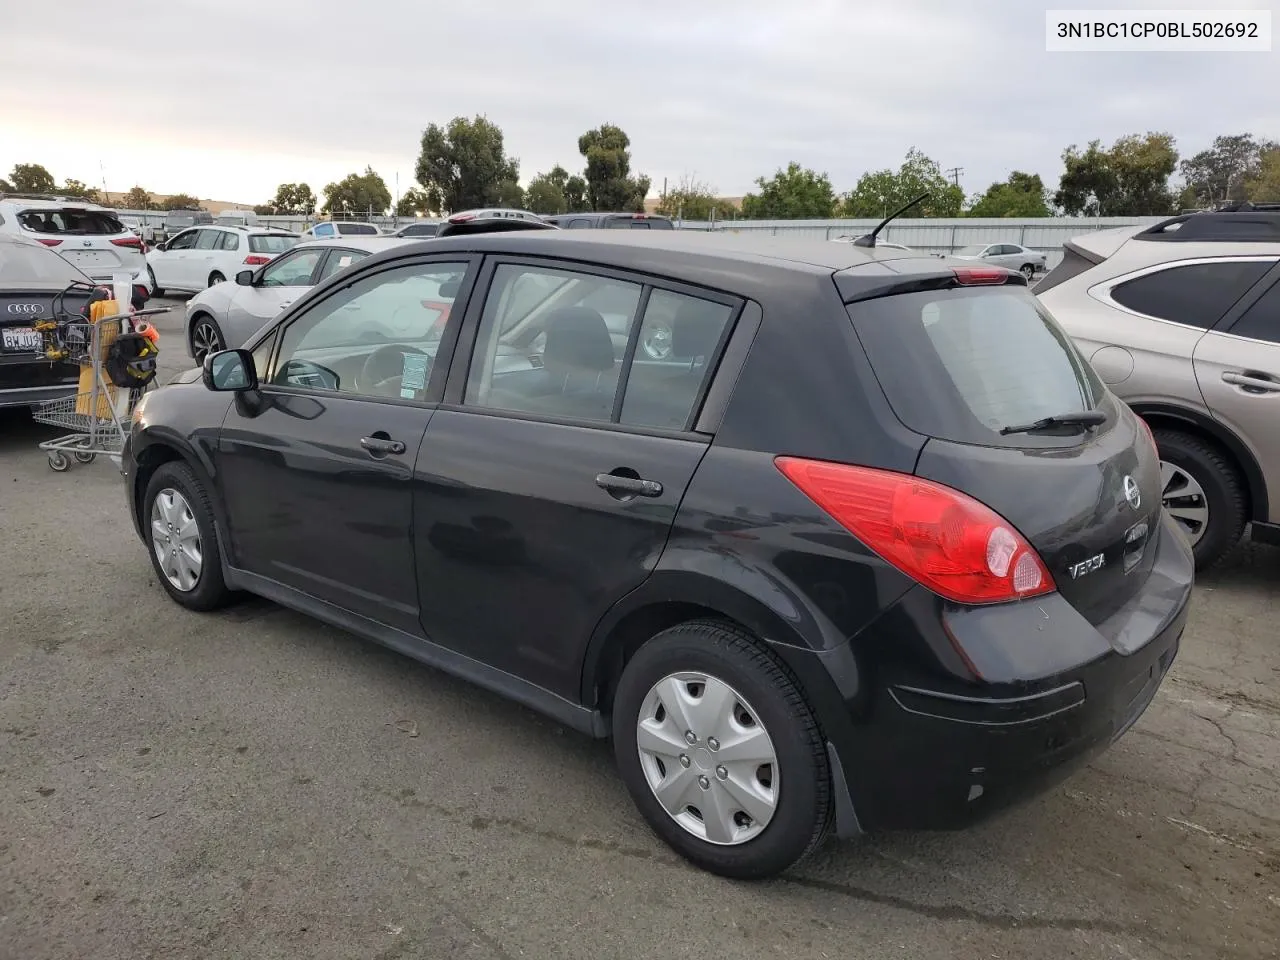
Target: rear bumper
31	396
922	749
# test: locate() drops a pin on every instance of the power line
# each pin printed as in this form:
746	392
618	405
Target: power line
955	174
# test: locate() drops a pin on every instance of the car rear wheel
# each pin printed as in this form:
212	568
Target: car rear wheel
206	337
216	278
183	540
156	290
1028	271
1203	492
720	751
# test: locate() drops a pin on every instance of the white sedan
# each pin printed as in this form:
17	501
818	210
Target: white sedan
225	315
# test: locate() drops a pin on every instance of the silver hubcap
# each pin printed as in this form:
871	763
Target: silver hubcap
1185	500
175	538
657	341
205	340
707	758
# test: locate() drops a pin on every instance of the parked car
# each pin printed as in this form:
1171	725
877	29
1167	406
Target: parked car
611	221
418	230
237	218
204	256
226	314
1012	255
872	548
340	228
176	221
491	220
89	236
35	284
1182	321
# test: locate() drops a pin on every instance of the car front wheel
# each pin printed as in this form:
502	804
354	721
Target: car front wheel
182	538
206	337
720	751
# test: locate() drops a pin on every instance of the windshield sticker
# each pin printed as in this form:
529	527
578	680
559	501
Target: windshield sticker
413	377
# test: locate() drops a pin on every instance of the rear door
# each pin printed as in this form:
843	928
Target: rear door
964	364
549	479
202	261
1237	366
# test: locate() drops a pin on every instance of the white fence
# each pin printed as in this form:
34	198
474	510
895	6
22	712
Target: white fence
1044	234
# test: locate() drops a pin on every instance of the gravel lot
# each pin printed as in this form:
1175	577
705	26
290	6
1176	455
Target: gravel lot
254	785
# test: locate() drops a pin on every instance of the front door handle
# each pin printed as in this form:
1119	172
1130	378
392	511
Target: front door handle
1256	383
379	445
623	486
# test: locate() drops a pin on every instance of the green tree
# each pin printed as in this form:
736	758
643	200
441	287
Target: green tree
32	178
610	185
691	199
1264	185
291	200
1022	195
1219	174
575	194
5	186
511	194
180	201
1130	179
464	165
795	193
357	193
139	199
413	203
879	193
545	193
75	188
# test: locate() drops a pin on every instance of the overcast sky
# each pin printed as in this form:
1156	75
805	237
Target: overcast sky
228	98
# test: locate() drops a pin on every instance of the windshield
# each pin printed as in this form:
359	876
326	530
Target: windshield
962	364
26	262
270	243
970	251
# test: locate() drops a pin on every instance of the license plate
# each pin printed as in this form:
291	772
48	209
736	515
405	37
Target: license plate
22	339
86	257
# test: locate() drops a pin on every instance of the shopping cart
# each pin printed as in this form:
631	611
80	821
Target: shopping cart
97	417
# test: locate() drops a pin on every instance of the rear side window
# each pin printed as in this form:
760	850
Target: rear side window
81	223
1195	294
1262	320
961	364
357	230
270	243
229	241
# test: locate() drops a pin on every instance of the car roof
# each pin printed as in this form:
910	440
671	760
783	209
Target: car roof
369	244
53	203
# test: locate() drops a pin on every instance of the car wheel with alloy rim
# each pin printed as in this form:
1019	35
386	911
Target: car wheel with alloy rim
156	289
206	337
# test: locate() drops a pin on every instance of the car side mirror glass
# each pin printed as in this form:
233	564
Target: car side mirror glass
162	246
245	278
230	371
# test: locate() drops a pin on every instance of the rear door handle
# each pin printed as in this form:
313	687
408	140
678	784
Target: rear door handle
379	445
1259	384
628	486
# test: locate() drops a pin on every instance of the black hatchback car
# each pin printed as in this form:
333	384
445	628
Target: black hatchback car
871	547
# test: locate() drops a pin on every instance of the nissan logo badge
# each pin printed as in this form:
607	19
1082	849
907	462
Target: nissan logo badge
1132	493
28	309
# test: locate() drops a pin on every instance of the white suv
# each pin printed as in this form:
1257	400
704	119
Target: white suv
203	256
90	237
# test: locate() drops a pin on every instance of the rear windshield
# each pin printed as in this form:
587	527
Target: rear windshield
81	223
357	229
961	364
29	262
270	243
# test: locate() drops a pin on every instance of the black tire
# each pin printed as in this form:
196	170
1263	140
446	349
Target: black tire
204	319
210	591
156	289
216	277
803	815
1223	489
1029	271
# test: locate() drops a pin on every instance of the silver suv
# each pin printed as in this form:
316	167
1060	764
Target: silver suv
1182	321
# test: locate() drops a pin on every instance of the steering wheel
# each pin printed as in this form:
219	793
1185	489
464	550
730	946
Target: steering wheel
384	367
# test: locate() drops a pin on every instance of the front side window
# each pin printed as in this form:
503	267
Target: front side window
183	241
293	270
1195	294
376	338
550	342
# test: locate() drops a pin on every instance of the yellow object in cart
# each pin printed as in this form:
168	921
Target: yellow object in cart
107	391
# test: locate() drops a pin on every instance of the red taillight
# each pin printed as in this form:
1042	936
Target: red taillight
133	242
976	276
256	260
462	218
947	541
49	243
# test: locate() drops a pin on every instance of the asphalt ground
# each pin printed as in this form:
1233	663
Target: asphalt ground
252	784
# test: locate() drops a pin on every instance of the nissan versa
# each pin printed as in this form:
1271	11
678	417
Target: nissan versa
870	547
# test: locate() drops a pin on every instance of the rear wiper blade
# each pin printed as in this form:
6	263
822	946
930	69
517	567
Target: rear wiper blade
1083	418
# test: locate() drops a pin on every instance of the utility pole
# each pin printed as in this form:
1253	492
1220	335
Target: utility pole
955	174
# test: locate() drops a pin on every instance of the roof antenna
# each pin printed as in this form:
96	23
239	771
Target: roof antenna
870	239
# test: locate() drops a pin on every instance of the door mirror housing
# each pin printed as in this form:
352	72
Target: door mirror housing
230	371
245	278
162	246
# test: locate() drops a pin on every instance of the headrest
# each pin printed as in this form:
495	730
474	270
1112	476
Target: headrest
695	329
578	337
449	289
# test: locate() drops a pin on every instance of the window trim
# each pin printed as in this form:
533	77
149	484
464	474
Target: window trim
454	398
1101	291
444	354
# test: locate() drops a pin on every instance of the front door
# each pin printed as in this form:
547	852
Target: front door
1238	369
547	488
169	264
317	475
274	287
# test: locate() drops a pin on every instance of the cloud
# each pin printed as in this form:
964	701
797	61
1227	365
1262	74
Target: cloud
227	98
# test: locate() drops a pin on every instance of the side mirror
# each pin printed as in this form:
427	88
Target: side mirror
245	278
162	246
230	371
